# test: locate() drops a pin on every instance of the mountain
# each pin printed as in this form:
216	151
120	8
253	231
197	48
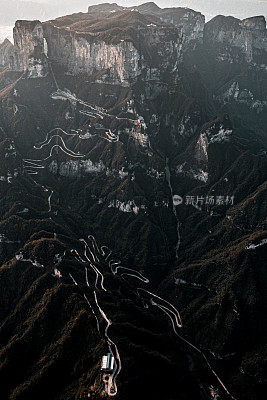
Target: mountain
132	192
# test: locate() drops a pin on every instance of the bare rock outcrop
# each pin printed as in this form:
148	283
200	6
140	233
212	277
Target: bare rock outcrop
248	35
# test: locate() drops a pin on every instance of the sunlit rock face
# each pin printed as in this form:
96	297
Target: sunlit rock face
155	45
249	35
79	54
85	53
29	49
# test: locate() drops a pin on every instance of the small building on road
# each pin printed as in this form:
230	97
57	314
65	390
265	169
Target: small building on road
108	363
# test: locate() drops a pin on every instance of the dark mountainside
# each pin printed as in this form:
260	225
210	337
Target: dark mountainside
133	206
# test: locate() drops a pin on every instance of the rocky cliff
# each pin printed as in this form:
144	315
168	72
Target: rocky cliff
249	36
145	37
191	22
80	53
82	43
135	42
30	51
6	49
122	53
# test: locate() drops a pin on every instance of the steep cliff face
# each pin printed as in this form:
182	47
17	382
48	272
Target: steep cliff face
6	49
240	48
249	36
123	53
138	42
191	22
29	49
145	37
80	54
